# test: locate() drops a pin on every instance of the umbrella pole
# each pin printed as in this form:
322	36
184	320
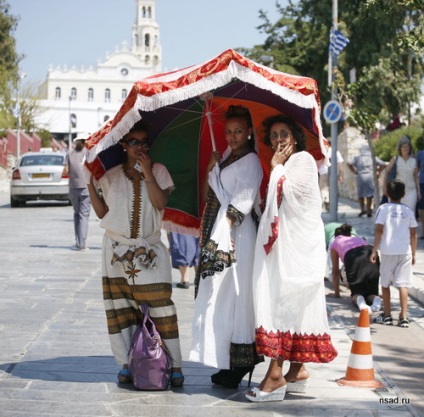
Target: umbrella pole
210	122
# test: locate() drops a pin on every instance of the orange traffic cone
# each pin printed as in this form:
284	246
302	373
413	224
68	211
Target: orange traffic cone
360	370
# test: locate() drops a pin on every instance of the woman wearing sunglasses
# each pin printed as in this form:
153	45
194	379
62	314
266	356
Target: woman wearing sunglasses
136	267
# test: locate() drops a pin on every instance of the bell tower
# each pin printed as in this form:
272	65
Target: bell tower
145	39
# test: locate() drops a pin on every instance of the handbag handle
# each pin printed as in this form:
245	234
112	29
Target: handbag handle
144	308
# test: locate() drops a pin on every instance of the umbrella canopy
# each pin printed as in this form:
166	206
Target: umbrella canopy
185	112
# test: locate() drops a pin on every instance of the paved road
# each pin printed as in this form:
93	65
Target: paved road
55	358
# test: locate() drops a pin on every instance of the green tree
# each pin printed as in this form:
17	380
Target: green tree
388	69
30	108
9	63
46	138
298	43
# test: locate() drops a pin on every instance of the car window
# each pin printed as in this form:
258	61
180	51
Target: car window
42	160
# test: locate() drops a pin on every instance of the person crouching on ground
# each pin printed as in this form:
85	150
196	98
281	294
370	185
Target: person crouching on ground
362	275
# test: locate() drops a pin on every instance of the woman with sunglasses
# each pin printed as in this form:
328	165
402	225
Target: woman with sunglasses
136	267
289	266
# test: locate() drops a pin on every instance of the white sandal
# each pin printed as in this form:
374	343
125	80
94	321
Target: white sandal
256	395
298	386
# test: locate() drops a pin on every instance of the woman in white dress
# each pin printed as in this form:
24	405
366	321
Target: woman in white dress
136	267
406	171
223	326
290	257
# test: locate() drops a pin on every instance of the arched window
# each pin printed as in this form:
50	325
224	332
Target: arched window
124	93
57	93
90	96
144	12
147	59
149	12
73	93
136	39
147	40
107	95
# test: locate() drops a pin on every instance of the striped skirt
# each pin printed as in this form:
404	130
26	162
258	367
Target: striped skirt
124	289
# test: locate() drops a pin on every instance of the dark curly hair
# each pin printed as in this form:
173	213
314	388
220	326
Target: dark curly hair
295	129
139	126
344	230
241	112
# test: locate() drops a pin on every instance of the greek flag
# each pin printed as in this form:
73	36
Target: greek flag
16	110
337	42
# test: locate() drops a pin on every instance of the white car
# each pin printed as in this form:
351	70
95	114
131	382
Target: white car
39	176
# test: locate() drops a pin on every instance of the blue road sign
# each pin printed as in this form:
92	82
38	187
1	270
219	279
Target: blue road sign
332	111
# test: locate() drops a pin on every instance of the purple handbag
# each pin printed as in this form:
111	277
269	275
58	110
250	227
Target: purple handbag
148	359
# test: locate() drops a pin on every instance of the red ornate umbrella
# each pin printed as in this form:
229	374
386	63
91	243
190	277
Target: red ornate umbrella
185	109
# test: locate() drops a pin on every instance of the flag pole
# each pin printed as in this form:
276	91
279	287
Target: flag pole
333	171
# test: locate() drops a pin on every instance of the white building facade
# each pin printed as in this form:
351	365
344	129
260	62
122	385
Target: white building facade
81	100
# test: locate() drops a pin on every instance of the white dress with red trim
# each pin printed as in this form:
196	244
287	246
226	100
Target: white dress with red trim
290	258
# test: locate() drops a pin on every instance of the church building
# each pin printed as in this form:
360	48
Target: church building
81	99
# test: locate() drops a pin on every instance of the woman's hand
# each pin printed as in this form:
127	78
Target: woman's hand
214	159
146	165
282	154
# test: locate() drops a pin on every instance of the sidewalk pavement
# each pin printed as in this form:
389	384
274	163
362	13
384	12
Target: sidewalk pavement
55	358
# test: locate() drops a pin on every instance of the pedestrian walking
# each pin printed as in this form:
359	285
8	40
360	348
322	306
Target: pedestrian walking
362	167
78	192
185	252
407	172
396	238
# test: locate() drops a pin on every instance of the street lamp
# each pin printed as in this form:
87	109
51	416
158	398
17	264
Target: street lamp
21	76
70	124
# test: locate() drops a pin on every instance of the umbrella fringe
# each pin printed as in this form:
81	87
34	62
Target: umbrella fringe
117	132
178	228
234	70
184	93
209	83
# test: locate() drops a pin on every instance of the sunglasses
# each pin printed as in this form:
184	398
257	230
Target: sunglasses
133	143
283	135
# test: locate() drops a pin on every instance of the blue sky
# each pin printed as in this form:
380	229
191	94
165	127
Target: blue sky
81	32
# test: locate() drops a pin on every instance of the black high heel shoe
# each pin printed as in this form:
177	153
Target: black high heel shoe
233	379
216	378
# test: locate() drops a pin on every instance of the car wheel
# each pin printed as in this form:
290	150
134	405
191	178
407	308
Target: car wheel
14	202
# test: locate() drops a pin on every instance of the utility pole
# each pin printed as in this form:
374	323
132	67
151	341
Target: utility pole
333	170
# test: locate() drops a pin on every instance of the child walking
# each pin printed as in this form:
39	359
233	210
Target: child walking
396	237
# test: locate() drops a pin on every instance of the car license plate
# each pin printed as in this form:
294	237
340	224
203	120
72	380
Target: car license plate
40	175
